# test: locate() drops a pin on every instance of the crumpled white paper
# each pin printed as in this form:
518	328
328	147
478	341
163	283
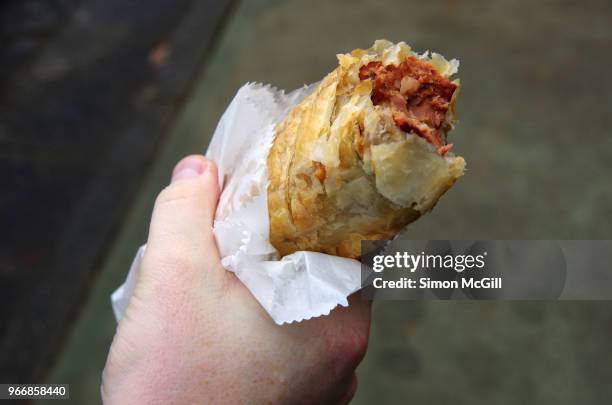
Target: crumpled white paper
300	286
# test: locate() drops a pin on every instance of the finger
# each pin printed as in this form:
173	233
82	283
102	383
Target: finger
349	329
180	234
360	300
358	312
350	392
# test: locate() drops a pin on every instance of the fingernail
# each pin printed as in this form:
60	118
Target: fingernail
189	168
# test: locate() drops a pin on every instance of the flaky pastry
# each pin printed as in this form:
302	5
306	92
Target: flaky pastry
365	154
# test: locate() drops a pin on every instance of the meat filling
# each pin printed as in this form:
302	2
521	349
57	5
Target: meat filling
417	94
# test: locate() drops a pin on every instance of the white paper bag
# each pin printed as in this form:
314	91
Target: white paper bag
297	287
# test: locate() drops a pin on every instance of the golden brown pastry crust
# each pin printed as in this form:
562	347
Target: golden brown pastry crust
340	171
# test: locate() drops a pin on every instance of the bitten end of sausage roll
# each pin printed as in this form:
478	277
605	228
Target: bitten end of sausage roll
365	154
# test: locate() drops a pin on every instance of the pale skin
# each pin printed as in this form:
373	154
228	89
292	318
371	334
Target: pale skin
193	334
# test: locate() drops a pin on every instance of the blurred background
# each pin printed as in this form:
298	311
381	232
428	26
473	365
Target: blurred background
100	98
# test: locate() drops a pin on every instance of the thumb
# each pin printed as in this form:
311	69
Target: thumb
181	246
178	272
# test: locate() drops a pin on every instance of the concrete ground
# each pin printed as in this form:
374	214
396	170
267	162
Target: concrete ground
535	112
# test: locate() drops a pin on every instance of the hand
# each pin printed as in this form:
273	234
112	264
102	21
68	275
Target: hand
193	334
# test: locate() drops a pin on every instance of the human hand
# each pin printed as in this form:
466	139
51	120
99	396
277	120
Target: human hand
193	333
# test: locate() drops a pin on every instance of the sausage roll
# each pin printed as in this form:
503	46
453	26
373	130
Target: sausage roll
366	153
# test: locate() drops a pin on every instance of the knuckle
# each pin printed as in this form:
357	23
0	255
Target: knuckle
351	347
179	191
169	278
172	260
357	344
